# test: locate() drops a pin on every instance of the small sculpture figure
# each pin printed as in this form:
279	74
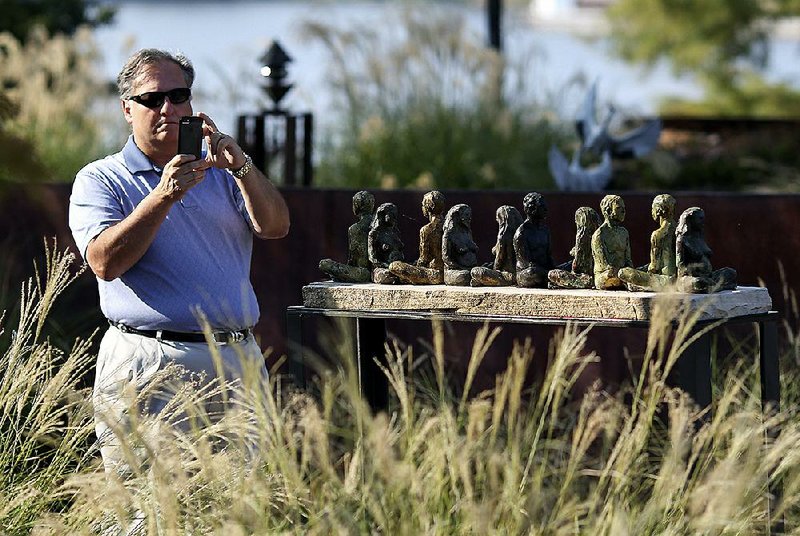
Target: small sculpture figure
532	244
358	267
503	271
459	251
695	273
429	268
579	273
611	248
661	271
383	244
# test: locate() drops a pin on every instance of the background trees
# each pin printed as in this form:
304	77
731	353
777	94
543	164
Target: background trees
724	43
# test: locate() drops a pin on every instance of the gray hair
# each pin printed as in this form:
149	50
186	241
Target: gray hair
150	56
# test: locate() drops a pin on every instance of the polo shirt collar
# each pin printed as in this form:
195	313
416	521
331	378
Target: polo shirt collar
135	160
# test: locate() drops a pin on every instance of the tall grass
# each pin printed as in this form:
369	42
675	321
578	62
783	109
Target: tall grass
546	459
431	106
60	102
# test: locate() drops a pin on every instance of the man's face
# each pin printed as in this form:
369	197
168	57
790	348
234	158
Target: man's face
155	130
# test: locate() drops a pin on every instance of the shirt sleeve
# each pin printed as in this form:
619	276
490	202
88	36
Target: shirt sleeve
93	207
238	199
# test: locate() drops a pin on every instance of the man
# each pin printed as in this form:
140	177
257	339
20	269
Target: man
169	238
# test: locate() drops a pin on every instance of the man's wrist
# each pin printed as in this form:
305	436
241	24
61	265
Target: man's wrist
244	169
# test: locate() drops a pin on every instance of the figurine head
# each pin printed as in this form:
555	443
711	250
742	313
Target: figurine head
432	203
587	219
663	207
458	216
508	219
613	208
363	203
534	206
386	216
692	221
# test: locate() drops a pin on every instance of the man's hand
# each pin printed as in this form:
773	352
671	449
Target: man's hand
223	151
180	175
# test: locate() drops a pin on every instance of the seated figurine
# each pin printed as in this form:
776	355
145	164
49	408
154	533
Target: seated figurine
503	270
611	248
695	273
459	251
532	244
358	267
429	268
661	271
578	273
383	244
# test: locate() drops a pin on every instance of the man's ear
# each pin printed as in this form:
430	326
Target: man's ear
126	110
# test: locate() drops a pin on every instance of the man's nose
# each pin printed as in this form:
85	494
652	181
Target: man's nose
167	107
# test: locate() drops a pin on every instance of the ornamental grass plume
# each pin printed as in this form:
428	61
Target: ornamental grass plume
516	458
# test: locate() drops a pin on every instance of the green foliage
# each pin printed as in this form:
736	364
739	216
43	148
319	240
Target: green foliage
55	97
21	17
431	107
724	43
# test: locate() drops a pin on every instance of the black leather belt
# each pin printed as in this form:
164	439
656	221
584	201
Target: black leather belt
224	337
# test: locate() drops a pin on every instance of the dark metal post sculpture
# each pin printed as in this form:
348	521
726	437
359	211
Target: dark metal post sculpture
532	244
661	271
429	268
383	243
693	257
611	248
459	251
358	268
277	131
579	273
503	271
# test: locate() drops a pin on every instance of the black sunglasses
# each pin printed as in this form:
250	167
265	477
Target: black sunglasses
155	99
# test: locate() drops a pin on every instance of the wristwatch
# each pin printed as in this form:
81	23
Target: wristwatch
245	169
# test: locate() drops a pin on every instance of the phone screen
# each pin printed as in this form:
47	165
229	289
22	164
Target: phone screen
190	136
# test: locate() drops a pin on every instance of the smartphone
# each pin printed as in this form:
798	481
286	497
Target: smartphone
190	136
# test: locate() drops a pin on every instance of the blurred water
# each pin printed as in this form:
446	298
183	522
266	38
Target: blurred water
225	40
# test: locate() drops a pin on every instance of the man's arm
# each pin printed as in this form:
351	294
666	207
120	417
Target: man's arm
268	212
116	249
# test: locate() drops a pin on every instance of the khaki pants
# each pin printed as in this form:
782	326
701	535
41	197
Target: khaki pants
127	379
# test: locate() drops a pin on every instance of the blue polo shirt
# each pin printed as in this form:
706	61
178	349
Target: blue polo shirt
198	261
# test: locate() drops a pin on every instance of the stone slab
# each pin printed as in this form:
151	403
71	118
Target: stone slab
544	303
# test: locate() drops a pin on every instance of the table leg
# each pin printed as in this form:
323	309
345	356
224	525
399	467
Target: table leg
694	371
771	399
294	335
371	337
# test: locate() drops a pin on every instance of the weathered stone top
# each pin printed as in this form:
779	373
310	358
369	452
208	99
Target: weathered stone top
514	301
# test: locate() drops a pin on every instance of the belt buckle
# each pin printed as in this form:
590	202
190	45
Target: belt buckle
235	336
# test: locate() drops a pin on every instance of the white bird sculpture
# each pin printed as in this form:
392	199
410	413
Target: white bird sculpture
596	139
570	176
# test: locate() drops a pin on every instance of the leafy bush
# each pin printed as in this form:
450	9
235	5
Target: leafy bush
430	107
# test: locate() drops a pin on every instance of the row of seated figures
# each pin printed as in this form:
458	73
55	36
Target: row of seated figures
601	257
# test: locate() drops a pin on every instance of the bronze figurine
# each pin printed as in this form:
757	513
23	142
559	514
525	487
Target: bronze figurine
578	273
693	257
661	271
383	244
611	248
459	251
358	268
532	244
429	268
503	270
